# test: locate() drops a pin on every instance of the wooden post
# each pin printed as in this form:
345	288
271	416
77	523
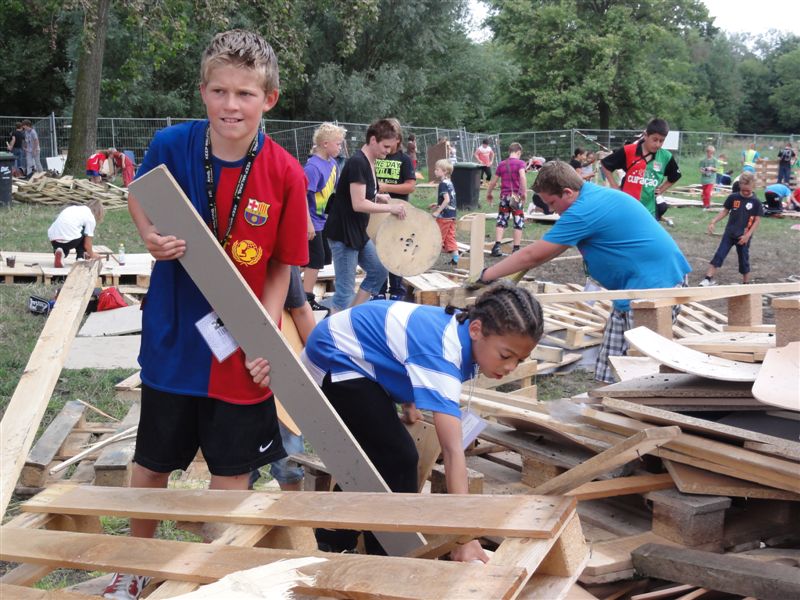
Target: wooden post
787	320
745	310
658	318
476	223
689	519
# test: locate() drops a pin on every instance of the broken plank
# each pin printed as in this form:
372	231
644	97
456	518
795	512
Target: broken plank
621	486
673	385
30	398
631	449
517	516
777	382
251	326
652	414
342	575
691	480
613	556
44	451
686	360
726	573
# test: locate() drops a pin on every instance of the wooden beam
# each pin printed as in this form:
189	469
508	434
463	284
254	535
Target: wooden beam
253	329
19	592
725	573
677	295
30	398
691	480
631	449
342	575
34	473
518	516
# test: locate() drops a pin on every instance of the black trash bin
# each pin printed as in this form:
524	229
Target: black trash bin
6	171
467	183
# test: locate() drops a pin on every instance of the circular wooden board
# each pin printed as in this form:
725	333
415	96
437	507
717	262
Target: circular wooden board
409	246
377	219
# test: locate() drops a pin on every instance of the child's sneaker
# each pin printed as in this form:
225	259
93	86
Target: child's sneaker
669	221
496	250
707	281
58	261
124	586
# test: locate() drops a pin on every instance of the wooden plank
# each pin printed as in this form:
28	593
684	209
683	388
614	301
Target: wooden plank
632	367
730	342
342	575
113	465
34	473
687	423
613	556
18	592
520	516
110	352
675	295
726	573
776	450
640	443
673	385
117	321
687	360
428	449
691	480
729	460
251	326
621	486
30	398
777	382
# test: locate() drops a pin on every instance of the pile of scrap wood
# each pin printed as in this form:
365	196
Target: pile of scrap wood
56	191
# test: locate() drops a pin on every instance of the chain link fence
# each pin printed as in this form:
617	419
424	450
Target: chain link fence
296	136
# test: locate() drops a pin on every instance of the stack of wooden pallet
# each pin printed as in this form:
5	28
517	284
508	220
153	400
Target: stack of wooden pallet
49	191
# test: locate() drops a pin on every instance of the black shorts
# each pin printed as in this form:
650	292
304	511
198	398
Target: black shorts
319	253
234	438
79	245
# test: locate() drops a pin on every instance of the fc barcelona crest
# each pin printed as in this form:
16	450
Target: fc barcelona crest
256	213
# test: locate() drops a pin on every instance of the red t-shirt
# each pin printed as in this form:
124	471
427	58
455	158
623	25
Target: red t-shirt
95	161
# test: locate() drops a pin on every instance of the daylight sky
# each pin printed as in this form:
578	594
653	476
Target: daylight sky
734	16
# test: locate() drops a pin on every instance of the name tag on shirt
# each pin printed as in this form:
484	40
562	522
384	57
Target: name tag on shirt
219	340
471	427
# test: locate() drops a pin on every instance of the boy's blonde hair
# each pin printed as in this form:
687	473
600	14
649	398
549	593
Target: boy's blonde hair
98	210
710	148
245	50
445	166
747	177
328	131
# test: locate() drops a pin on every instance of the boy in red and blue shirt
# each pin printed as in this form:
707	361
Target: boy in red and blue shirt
251	192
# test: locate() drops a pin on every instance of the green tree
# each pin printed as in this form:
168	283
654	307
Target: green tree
785	99
598	63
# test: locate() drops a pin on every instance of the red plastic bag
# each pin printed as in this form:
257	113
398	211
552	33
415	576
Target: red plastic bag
110	298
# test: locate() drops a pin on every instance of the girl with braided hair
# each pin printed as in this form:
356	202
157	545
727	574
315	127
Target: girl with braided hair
375	355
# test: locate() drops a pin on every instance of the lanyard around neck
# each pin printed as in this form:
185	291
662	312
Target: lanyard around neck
237	193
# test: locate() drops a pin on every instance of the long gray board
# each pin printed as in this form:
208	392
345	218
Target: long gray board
248	322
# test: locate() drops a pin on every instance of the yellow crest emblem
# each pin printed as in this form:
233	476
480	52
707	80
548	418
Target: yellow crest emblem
246	252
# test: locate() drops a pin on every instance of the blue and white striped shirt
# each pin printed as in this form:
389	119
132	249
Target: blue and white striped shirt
417	353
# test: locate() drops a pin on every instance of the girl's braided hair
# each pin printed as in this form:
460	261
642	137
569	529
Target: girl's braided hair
504	309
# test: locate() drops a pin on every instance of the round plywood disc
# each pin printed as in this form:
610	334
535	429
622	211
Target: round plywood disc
409	246
377	219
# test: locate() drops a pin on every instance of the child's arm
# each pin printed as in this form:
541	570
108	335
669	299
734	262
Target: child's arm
748	233
358	196
161	247
490	189
721	215
445	203
448	430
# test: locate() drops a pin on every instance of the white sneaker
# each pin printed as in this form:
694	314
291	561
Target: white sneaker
707	282
125	586
669	221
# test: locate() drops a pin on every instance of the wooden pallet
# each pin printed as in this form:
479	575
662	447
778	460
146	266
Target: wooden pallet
66	190
541	554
